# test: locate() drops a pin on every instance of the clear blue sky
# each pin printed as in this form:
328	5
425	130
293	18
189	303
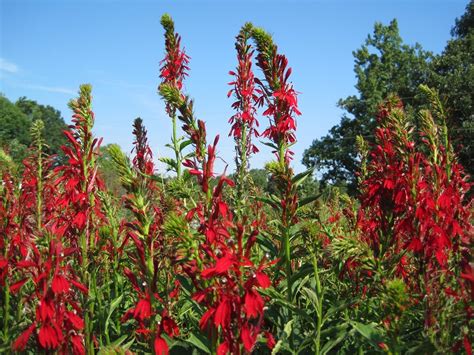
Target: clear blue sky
48	48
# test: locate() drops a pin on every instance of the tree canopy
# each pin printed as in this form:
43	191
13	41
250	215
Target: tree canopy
385	65
15	123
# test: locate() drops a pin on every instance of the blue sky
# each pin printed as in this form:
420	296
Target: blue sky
48	48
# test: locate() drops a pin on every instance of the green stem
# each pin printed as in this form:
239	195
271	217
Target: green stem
288	264
319	305
281	154
7	313
176	147
289	281
39	189
242	164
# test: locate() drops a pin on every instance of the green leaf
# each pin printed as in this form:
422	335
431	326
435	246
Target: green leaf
184	144
267	243
369	331
287	331
303	271
112	308
168	161
307	200
312	297
119	341
336	335
299	178
200	342
271	145
268	201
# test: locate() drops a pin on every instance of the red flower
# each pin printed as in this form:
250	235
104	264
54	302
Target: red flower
223	348
75	320
247	338
169	326
161	347
79	220
142	309
49	337
22	340
222	266
78	345
253	304
270	340
60	284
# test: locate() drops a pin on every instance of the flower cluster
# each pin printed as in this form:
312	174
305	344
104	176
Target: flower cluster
175	64
413	212
243	122
278	95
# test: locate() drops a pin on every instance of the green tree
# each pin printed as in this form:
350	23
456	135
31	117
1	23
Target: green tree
383	65
53	122
14	130
453	77
15	123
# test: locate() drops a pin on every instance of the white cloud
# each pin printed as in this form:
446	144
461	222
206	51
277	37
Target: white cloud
56	89
8	67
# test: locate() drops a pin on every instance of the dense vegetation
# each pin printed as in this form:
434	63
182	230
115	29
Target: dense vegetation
257	261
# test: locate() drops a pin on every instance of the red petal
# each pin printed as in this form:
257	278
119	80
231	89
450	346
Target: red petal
203	323
263	280
270	340
79	220
80	286
222	316
223	264
467	345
